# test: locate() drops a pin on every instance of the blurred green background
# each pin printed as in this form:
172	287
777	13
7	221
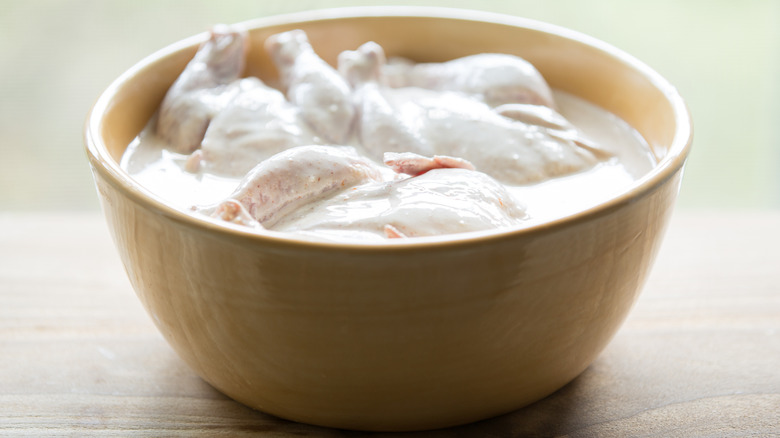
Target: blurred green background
56	56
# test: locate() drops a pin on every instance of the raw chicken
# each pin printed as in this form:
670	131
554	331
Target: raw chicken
496	78
380	126
534	145
295	177
258	123
202	89
392	232
441	201
415	165
511	151
234	212
539	115
450	200
314	86
449	134
557	125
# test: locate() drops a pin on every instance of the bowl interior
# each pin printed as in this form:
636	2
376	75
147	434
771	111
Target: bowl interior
569	61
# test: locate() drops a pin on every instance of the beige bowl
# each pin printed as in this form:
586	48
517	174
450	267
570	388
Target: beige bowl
422	334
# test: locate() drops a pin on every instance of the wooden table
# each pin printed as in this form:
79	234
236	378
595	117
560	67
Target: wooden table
698	356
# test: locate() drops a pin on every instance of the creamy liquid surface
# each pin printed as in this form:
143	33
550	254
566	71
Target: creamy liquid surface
162	172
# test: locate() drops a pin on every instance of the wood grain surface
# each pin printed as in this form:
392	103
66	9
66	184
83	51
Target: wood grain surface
699	355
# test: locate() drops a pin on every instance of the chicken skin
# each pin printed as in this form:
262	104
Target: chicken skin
415	165
295	177
202	90
380	126
256	124
314	86
531	145
440	201
511	151
495	78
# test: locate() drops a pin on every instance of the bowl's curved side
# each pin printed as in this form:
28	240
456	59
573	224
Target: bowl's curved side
395	337
372	341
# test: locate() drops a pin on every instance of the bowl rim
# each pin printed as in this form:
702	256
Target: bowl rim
666	168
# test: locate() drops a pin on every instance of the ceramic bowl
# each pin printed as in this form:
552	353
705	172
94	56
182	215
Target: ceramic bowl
424	334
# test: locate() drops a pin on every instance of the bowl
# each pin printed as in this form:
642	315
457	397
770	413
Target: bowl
413	335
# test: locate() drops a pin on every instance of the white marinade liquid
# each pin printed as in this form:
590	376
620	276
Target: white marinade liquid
566	195
162	172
